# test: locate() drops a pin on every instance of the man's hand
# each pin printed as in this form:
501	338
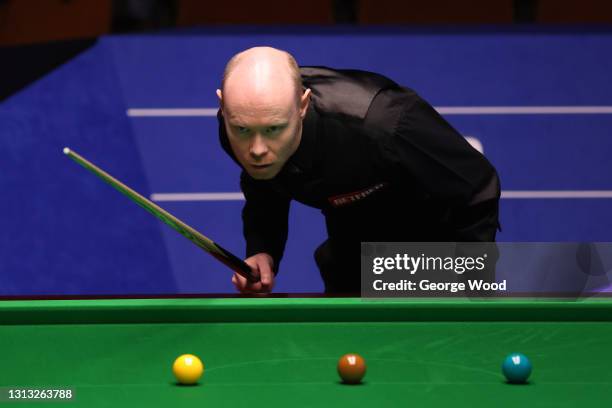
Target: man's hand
262	265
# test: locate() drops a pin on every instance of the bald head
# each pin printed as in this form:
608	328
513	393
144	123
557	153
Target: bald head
263	107
258	71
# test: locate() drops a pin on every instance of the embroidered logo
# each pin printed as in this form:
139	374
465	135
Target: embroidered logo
349	198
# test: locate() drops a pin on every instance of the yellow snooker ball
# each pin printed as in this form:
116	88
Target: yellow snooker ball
187	369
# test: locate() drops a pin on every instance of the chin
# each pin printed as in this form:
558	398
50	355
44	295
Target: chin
263	175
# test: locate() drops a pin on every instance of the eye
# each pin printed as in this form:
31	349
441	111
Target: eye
273	129
242	130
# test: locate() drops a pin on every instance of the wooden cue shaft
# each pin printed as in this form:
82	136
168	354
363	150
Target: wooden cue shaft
221	254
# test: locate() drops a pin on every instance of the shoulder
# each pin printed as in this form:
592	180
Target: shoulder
344	92
362	99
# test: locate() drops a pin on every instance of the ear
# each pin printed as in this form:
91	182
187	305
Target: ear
220	96
304	102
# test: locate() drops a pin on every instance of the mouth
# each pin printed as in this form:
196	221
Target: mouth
261	166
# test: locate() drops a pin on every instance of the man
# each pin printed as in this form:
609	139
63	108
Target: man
378	161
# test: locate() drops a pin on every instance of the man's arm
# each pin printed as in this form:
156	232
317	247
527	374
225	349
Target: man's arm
265	219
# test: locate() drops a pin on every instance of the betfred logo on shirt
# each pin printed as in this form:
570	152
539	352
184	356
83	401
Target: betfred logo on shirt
349	198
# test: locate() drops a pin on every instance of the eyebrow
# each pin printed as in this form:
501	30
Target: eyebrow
277	124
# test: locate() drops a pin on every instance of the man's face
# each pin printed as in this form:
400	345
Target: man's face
265	131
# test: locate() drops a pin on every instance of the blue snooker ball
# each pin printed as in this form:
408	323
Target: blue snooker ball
516	368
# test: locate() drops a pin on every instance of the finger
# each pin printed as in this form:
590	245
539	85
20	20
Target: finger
235	282
239	282
253	286
267	277
244	286
252	262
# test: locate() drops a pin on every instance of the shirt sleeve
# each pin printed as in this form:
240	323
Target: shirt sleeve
424	152
265	219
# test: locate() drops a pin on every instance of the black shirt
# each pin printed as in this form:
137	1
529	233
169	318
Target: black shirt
380	163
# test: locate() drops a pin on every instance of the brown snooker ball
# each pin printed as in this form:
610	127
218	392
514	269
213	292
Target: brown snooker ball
351	368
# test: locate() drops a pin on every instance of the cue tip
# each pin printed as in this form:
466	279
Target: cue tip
66	150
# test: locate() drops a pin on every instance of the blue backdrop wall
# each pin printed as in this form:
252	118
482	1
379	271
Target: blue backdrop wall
143	108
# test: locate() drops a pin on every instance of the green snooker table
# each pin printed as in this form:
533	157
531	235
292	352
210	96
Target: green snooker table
280	352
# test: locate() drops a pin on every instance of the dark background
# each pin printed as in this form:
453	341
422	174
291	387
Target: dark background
30	21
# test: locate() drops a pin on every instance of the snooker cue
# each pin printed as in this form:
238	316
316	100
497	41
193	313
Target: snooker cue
224	256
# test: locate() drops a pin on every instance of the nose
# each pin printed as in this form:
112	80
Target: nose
258	147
